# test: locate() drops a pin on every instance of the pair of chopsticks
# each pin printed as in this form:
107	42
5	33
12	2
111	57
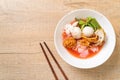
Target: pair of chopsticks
50	65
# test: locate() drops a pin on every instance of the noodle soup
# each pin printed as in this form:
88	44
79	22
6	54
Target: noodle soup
83	38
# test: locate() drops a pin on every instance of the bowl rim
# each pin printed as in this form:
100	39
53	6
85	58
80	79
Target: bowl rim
73	11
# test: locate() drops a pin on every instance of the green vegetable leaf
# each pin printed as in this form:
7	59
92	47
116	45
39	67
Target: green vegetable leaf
81	22
94	23
88	19
83	26
91	22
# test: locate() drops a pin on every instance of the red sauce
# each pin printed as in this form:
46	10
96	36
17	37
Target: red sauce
78	54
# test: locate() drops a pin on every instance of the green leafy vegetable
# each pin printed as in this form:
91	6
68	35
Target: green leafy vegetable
88	19
95	23
81	22
91	22
83	26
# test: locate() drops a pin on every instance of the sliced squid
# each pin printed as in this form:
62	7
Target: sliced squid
101	36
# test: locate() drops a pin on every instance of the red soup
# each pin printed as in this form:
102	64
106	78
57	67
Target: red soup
83	38
82	51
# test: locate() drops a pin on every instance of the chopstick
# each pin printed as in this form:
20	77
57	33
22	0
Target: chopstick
58	65
53	71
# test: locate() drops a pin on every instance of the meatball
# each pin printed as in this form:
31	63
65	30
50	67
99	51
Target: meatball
76	32
69	42
88	31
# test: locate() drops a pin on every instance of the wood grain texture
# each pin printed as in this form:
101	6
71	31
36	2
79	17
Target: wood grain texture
25	23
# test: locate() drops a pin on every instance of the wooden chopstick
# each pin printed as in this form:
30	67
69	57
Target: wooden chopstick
53	71
66	78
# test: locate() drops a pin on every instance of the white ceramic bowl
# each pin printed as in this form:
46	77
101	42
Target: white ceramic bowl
104	53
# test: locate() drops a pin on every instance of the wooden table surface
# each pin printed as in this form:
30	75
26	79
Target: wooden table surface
25	23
